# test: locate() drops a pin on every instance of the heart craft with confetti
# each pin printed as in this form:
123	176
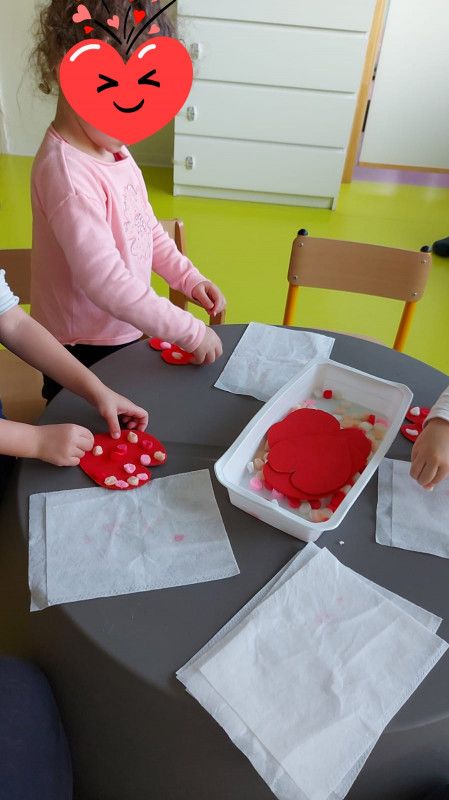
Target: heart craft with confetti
122	464
310	456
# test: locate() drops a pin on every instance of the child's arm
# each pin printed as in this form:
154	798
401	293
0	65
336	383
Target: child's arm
30	341
180	273
430	454
84	234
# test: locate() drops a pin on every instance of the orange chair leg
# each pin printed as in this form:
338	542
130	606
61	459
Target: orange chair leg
290	306
404	326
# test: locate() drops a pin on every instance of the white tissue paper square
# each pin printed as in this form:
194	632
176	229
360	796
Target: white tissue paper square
91	543
408	516
266	358
306	677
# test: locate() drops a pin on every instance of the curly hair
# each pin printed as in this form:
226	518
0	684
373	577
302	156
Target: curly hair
56	32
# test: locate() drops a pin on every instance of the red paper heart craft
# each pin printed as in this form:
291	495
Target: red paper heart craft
171	353
311	456
121	464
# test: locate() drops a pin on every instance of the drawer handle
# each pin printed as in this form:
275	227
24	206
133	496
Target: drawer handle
192	113
196	51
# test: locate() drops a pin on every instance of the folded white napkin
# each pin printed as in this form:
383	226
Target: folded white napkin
91	543
266	358
408	516
309	673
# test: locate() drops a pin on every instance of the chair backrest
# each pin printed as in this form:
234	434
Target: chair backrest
17	264
176	231
362	268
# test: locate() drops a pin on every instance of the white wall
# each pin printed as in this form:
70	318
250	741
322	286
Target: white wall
408	122
26	112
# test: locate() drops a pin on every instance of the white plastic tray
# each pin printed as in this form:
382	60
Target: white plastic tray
388	399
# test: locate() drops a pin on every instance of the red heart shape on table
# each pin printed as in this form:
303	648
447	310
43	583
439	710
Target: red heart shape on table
128	107
138	16
120	456
311	456
171	353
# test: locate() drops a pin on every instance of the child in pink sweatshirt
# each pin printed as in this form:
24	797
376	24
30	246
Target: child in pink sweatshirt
95	235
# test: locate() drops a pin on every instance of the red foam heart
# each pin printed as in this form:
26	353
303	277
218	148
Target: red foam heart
127	110
317	464
311	456
138	16
117	453
171	353
303	422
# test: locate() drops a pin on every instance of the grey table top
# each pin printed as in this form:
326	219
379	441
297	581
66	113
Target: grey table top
153	634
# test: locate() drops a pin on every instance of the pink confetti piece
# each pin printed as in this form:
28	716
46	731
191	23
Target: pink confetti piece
179	537
256	484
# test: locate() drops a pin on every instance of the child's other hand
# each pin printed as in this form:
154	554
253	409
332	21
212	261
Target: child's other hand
111	406
209	350
430	454
209	297
62	445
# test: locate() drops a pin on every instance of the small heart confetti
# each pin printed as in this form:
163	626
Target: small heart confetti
154	29
138	16
114	22
82	13
88	29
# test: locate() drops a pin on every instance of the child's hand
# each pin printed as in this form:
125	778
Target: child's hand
209	297
62	445
209	350
111	405
430	454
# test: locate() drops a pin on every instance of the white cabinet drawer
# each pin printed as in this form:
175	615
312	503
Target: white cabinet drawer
258	167
349	15
292	116
302	58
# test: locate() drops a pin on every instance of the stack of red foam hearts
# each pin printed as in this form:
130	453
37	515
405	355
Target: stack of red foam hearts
171	353
415	419
310	457
122	464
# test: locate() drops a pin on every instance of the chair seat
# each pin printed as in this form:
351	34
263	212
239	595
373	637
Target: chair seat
20	389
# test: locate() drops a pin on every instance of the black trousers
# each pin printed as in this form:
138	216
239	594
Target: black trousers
88	354
34	755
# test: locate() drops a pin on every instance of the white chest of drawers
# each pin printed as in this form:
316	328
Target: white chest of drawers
271	109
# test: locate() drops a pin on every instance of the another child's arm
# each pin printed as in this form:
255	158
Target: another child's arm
430	454
181	274
59	444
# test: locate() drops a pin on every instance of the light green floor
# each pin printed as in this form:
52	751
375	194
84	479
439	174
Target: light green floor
245	249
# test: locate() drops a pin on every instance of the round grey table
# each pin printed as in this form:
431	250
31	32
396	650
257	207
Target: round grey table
135	733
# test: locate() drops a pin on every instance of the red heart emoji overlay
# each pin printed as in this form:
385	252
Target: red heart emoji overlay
119	456
127	101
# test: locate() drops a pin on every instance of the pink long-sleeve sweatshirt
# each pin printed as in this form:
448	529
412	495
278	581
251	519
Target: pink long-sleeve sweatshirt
95	241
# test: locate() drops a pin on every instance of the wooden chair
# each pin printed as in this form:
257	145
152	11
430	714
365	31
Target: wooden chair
20	384
175	229
361	268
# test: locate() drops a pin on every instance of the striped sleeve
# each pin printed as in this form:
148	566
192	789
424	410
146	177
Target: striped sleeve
7	299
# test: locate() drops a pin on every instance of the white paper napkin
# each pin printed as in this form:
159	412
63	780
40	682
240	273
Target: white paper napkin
266	358
95	543
408	516
310	672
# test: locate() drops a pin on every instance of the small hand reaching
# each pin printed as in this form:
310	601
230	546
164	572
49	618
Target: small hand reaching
430	454
209	297
209	350
62	445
